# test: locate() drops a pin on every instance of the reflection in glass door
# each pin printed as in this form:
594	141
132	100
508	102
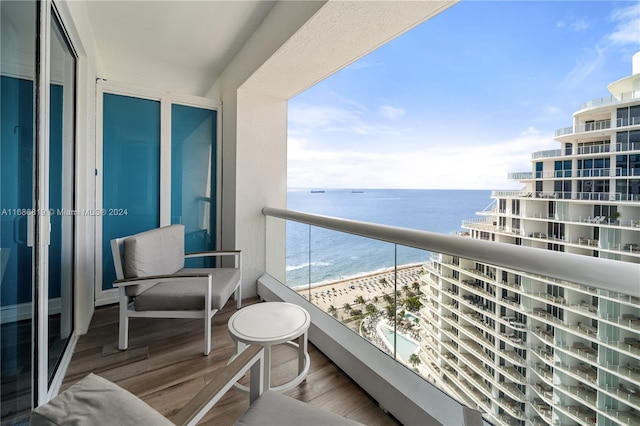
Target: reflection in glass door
17	145
193	174
61	195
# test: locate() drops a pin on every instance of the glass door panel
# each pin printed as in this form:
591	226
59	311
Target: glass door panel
131	172
61	195
17	144
193	184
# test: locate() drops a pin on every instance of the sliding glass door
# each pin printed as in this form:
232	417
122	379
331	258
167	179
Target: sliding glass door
37	151
17	156
61	195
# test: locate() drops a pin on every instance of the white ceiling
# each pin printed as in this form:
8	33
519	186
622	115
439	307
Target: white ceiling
180	46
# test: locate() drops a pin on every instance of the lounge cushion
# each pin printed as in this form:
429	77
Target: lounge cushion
189	295
156	252
96	401
273	409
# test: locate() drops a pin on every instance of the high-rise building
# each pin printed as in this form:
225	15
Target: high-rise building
526	349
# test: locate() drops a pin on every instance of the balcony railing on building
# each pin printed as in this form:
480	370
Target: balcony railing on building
451	320
610	100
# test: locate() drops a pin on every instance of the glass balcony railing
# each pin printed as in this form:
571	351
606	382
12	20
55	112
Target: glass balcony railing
610	100
547	153
425	301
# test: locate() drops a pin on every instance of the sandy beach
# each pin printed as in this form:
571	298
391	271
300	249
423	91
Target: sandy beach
340	292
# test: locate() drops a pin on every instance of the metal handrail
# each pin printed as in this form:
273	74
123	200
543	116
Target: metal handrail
606	274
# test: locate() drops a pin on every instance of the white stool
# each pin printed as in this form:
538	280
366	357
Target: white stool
268	324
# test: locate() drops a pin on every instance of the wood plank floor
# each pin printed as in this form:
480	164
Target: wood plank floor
165	367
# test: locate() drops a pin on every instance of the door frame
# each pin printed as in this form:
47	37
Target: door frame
166	99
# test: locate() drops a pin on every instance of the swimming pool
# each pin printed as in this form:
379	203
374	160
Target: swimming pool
405	347
410	316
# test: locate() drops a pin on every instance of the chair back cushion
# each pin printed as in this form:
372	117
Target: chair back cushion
159	251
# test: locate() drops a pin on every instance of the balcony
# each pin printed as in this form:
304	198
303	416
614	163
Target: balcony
453	334
550	153
596	126
164	366
610	100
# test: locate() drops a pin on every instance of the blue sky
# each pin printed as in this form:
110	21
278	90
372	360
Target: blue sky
463	99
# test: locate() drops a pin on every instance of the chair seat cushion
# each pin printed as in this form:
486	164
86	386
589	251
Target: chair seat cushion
273	408
189	295
96	401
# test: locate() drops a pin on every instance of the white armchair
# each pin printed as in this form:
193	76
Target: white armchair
152	281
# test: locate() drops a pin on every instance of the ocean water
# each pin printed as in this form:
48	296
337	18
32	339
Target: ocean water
316	255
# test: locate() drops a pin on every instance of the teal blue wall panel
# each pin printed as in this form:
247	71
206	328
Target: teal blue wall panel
16	194
131	172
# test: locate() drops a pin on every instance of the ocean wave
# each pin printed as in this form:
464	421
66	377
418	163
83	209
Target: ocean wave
305	265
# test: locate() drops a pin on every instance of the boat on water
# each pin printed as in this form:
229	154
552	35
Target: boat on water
317	191
534	339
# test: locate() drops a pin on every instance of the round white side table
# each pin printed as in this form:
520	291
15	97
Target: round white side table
268	324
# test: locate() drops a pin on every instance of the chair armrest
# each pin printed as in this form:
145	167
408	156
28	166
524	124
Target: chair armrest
212	253
218	253
159	278
252	358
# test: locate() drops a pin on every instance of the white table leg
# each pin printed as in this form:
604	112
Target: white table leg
267	367
302	351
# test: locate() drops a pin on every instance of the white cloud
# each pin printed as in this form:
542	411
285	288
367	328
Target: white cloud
342	116
444	165
387	111
579	25
627	30
590	62
625	33
553	110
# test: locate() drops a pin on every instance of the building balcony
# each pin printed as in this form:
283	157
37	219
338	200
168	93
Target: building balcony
543	410
610	100
581	392
596	126
553	195
626	393
550	153
544	392
578	413
582	128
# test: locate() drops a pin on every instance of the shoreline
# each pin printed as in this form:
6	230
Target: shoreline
368	285
358	276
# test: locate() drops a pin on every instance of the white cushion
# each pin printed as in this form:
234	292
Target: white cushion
189	295
156	252
96	401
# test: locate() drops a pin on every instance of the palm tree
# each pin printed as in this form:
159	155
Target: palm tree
405	288
387	298
390	310
361	301
415	286
383	281
371	309
414	360
375	300
333	310
347	308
